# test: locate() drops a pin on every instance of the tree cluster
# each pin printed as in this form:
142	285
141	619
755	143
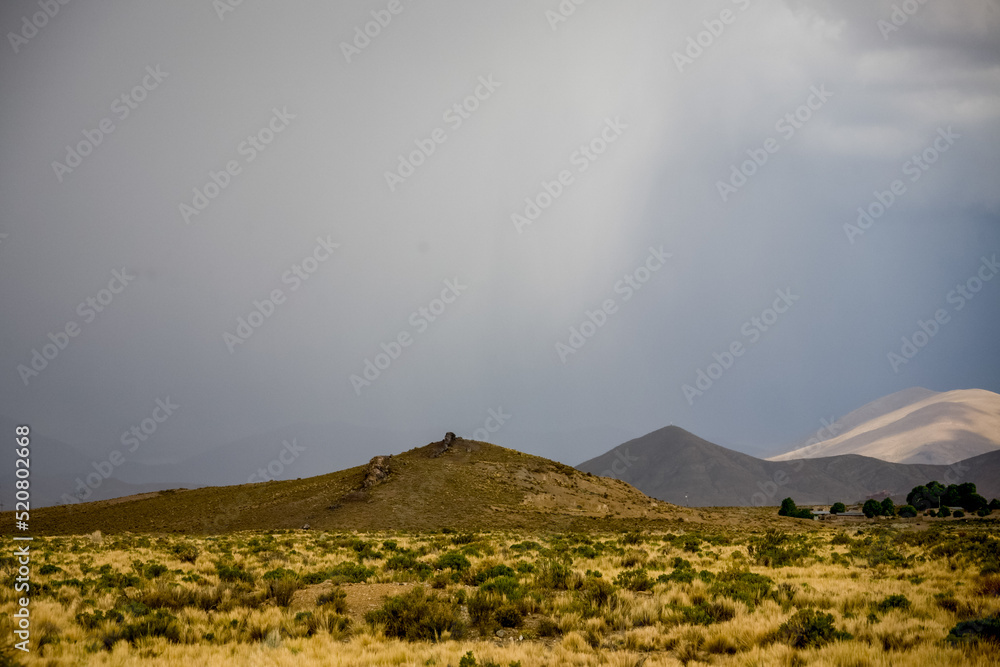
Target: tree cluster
937	495
873	508
788	508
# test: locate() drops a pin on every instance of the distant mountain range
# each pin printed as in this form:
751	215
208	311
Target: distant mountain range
913	426
859	457
681	468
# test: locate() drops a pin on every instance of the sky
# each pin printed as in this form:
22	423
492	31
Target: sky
554	226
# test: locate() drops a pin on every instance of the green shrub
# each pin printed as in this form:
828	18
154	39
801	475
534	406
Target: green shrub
417	616
959	514
232	573
185	552
893	602
281	585
809	628
907	511
596	594
335	599
705	612
838	508
743	586
453	561
777	548
975	630
634	580
158	624
553	575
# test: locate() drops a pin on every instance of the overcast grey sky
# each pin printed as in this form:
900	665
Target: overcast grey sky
694	165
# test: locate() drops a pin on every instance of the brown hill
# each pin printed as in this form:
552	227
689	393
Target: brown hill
470	486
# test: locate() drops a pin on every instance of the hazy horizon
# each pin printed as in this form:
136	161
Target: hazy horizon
586	225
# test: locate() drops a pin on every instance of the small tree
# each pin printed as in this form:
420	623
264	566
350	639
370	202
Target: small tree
888	507
907	511
944	512
787	507
994	504
872	508
838	508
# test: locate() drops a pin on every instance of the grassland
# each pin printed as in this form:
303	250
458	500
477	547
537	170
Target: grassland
878	593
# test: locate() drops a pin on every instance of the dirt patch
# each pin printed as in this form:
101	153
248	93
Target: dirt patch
361	598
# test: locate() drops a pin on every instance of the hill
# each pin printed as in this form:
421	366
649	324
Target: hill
914	426
678	467
470	486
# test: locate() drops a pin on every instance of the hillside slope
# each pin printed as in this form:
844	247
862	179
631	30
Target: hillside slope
678	467
937	429
471	486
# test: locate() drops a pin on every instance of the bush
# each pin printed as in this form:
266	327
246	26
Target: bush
838	508
944	512
158	624
975	630
907	511
453	561
335	599
894	602
706	613
959	514
777	549
634	580
743	586
232	573
553	574
808	628
417	616
185	552
596	593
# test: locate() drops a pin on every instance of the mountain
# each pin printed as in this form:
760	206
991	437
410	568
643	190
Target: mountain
678	467
470	486
914	426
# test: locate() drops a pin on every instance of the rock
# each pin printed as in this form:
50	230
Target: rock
305	526
501	634
376	472
444	445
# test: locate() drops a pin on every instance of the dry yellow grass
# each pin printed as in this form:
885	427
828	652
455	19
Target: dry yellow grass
241	625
